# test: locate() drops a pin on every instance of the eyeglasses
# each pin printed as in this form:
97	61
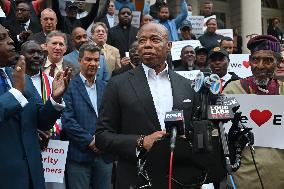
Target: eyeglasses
22	10
265	60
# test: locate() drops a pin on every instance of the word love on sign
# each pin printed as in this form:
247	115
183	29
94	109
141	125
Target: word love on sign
239	64
265	119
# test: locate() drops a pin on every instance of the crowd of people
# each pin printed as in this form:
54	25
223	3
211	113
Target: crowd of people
105	87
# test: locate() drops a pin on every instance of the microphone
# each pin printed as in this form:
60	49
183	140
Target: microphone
174	123
213	82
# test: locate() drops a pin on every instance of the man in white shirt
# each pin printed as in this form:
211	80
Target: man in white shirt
134	105
56	46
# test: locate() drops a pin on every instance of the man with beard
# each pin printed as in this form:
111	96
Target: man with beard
265	55
135	103
219	61
187	59
79	37
123	35
130	62
21	113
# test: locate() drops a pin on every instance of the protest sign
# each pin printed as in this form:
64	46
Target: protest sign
239	64
54	160
197	23
225	32
265	119
188	74
178	45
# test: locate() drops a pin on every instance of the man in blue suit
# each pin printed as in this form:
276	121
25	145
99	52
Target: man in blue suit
21	113
85	164
79	37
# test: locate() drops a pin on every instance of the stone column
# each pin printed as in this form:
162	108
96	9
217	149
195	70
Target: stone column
250	20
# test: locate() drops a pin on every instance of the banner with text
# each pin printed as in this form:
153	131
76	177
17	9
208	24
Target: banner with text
178	45
225	32
239	64
54	160
265	119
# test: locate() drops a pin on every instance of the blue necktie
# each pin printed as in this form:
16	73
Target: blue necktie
4	85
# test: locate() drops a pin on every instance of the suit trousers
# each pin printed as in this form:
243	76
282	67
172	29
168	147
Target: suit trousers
94	175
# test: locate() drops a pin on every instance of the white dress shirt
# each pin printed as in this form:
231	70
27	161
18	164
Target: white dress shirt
59	66
161	90
110	20
226	78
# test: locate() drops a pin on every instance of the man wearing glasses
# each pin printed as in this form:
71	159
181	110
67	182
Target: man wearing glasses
264	58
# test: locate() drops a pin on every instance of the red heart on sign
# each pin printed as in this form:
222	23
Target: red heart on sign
260	117
246	64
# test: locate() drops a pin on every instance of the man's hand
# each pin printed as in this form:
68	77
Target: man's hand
43	137
150	139
124	61
60	83
92	145
19	74
24	35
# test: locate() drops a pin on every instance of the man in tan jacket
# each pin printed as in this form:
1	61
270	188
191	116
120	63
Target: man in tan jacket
99	36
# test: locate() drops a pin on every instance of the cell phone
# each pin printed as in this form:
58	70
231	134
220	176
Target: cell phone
126	54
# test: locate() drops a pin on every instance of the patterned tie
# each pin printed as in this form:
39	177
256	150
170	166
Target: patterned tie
3	81
52	70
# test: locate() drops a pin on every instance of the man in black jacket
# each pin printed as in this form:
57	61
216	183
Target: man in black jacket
218	59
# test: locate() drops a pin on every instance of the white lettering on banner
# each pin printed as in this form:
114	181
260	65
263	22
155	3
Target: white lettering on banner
191	75
54	160
265	119
239	64
178	45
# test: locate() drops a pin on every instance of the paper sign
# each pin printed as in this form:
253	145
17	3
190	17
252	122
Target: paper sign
178	45
135	20
188	74
197	23
225	32
265	119
54	160
239	64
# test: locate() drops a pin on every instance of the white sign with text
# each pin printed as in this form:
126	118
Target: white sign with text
265	119
188	74
197	23
225	32
178	45
54	160
239	64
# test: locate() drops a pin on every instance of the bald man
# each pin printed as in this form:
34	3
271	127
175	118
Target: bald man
134	105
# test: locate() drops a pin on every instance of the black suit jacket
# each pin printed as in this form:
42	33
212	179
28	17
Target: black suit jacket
127	111
118	39
15	29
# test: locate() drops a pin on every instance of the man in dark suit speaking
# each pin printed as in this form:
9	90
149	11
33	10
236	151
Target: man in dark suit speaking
133	109
21	113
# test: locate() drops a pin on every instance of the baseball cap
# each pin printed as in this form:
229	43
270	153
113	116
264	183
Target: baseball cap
200	49
218	51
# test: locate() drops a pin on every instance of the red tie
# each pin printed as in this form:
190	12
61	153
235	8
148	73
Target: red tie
52	70
222	81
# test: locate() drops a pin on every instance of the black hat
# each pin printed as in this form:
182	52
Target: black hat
186	23
218	50
200	49
69	4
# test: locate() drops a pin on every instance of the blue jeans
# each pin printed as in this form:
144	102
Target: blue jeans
94	175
